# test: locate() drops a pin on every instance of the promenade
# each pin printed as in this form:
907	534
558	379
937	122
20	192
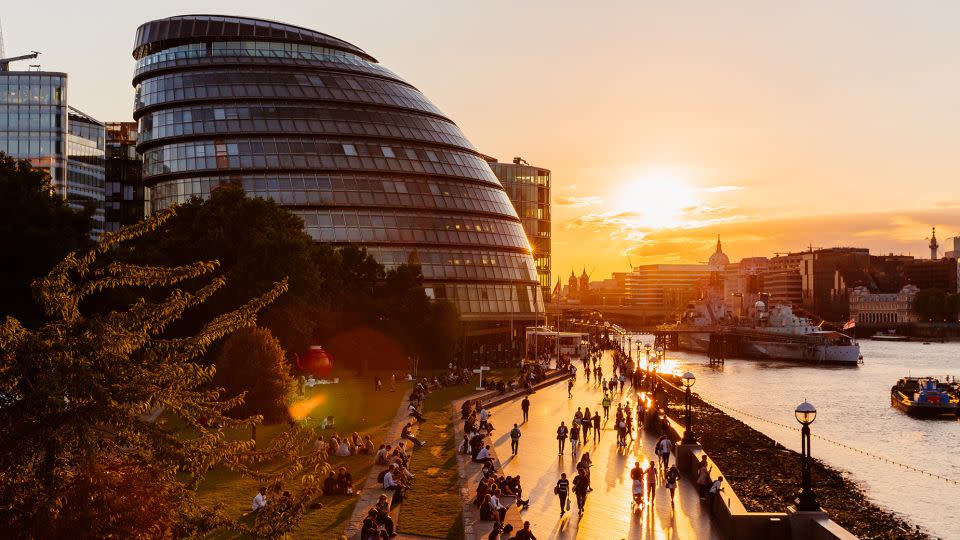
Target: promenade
608	514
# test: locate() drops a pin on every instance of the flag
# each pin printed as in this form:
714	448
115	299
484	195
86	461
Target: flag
850	324
556	292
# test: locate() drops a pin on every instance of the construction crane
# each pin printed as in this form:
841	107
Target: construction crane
5	62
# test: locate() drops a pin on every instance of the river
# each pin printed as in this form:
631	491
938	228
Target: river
853	407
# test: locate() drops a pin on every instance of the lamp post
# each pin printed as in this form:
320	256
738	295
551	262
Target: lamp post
688	379
629	346
806	413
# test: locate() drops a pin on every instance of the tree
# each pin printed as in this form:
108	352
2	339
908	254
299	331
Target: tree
80	396
37	229
256	243
936	305
253	362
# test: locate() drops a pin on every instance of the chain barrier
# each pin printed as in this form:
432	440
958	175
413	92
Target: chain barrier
831	441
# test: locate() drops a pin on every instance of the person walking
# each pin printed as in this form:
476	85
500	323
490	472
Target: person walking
636	474
596	428
606	405
580	485
562	436
672	477
574	438
623	379
562	489
515	439
651	474
525	407
570	387
663	449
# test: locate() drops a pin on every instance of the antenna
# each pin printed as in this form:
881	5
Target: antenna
2	52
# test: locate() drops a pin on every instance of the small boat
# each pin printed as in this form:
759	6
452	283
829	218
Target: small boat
889	337
925	397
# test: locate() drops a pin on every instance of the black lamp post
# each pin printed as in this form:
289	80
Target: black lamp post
806	413
688	379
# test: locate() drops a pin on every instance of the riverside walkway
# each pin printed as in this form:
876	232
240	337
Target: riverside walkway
608	514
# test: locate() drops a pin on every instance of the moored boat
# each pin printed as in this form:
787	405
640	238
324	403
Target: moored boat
925	397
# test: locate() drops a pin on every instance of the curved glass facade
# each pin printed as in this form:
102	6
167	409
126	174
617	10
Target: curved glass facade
317	125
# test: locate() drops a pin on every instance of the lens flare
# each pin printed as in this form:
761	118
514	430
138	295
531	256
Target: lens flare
301	409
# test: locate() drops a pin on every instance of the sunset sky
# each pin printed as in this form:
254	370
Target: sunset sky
776	125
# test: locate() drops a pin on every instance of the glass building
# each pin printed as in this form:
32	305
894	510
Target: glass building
124	197
529	189
316	124
37	125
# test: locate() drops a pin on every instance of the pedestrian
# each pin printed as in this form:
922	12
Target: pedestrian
703	477
606	406
570	388
623	379
673	475
562	489
574	438
393	382
584	465
580	486
663	449
525	407
604	384
378	384
562	436
651	474
715	490
596	428
515	439
636	474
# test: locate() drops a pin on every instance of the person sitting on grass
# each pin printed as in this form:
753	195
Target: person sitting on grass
406	434
260	500
344	482
320	445
367	448
356	443
343	449
383	516
330	484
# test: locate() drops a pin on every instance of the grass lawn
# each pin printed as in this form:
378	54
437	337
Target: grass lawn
356	407
433	507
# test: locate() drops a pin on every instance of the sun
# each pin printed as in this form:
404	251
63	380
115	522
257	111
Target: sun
658	199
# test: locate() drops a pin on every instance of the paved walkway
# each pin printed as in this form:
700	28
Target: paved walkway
608	514
372	488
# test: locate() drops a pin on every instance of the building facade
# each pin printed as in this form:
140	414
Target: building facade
666	287
37	125
317	125
529	190
883	309
124	196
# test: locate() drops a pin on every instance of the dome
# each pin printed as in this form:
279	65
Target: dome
319	126
719	258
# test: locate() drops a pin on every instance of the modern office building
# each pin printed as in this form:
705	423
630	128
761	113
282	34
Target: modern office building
316	124
529	190
124	196
37	125
666	287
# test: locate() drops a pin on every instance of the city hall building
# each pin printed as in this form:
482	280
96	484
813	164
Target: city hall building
317	125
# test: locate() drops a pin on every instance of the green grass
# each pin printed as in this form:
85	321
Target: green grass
356	407
433	508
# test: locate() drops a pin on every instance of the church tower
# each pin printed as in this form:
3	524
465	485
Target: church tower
933	245
573	291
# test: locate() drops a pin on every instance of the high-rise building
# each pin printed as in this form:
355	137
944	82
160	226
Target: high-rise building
124	197
37	125
529	190
317	125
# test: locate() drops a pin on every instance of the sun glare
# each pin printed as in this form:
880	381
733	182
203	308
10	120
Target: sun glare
658	199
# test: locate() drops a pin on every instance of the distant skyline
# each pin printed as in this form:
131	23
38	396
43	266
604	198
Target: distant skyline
775	125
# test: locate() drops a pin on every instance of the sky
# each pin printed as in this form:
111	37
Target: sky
775	125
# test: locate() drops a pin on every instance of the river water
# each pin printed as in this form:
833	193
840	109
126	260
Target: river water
853	407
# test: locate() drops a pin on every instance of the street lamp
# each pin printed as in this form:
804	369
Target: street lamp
806	413
688	379
629	346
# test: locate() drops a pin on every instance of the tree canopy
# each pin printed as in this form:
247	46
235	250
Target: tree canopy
95	403
936	305
37	229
